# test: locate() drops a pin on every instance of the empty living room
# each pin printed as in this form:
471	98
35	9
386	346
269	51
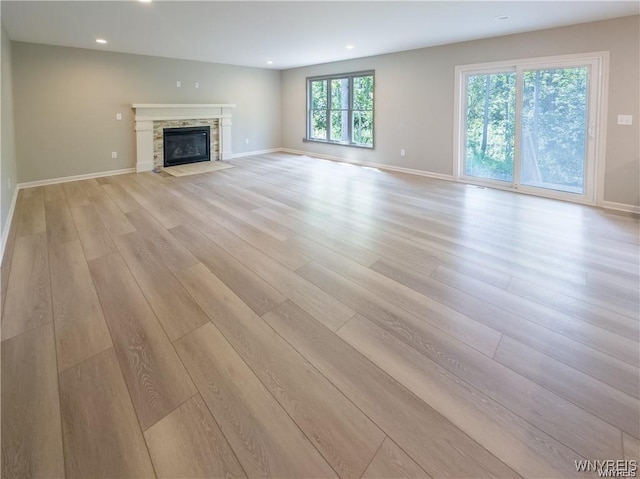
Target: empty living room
320	239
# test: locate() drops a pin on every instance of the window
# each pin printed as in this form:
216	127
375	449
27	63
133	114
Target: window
532	125
340	109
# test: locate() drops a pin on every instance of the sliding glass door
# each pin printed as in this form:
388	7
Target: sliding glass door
554	128
490	125
530	127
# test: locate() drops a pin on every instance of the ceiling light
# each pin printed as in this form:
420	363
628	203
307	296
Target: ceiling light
101	40
501	17
144	1
349	47
269	62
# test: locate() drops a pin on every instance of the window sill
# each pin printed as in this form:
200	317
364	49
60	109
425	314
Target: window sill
338	143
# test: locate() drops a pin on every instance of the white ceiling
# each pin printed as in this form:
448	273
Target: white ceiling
290	33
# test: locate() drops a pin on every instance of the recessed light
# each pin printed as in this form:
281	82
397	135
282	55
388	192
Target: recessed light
350	47
269	62
144	1
501	17
101	40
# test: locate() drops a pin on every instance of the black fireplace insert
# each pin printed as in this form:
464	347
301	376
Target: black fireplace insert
186	145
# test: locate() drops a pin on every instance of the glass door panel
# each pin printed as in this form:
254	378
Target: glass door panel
490	125
553	144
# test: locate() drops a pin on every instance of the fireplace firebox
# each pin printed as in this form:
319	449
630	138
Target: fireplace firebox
186	145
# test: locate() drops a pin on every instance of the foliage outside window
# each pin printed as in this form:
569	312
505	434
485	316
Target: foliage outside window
340	109
554	123
491	104
553	113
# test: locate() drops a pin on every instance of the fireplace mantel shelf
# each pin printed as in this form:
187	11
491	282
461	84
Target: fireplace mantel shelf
147	113
183	105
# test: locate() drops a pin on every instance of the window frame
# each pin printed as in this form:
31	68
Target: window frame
594	172
328	78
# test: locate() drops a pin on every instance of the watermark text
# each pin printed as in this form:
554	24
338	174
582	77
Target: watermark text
609	467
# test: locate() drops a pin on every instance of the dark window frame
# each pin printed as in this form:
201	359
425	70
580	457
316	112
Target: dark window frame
327	111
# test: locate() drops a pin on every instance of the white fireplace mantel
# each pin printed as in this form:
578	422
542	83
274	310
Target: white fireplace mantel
147	113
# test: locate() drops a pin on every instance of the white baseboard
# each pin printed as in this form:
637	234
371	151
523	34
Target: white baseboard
608	205
380	166
144	166
611	205
255	153
66	179
51	181
7	223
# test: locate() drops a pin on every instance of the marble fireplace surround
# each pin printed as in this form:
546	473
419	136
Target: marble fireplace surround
148	114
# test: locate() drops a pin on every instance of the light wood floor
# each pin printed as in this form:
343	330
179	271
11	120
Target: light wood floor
292	317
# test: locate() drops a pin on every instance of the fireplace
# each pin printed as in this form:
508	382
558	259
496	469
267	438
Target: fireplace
153	118
186	145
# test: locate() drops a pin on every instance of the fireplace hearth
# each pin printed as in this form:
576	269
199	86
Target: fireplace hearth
186	145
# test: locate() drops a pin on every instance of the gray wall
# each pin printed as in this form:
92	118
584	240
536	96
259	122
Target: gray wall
66	100
8	174
415	95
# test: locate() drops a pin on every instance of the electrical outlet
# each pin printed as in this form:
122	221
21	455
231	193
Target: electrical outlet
196	84
178	84
402	152
625	119
246	141
118	116
114	154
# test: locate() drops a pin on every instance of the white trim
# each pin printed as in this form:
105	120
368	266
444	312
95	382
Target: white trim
7	223
458	118
66	179
601	128
560	59
607	205
51	181
190	116
144	166
256	152
611	205
380	166
549	194
184	105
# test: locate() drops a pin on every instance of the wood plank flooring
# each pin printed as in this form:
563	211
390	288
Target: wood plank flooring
294	317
